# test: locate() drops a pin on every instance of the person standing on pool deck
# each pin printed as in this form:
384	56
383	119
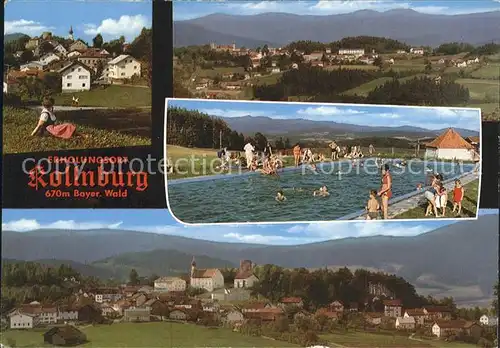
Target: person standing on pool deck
386	189
249	149
371	149
296	154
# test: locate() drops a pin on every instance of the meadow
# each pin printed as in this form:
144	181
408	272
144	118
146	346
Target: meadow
99	128
114	96
153	334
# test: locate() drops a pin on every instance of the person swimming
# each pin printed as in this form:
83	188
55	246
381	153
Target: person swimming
280	197
322	192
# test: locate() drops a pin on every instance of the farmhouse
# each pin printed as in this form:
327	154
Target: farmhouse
244	277
418	314
78	45
291	301
135	314
352	52
443	328
393	308
48	58
208	279
64	336
75	77
21	320
93	57
164	284
488	320
449	145
405	323
122	67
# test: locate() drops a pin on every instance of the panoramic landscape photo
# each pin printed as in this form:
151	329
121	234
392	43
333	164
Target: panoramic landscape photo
377	52
76	81
249	161
136	278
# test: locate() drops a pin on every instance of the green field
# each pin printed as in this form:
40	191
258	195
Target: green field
491	71
219	71
487	90
469	205
157	334
115	96
366	88
98	129
266	79
370	340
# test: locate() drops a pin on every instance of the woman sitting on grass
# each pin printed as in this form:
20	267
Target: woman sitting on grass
47	123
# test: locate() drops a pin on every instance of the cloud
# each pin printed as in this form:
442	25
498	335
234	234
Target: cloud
24	225
328	111
25	26
235	113
128	26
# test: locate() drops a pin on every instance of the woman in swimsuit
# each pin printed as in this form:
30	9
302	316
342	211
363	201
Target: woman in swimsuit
296	154
386	189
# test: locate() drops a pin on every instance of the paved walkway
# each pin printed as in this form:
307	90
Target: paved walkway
403	204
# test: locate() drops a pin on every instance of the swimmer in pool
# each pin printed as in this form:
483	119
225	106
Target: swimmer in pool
280	197
322	192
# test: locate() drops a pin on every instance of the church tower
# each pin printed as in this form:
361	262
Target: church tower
193	267
70	36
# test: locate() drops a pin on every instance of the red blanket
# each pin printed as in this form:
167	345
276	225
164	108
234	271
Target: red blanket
65	130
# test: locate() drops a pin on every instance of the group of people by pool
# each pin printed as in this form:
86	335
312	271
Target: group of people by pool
437	197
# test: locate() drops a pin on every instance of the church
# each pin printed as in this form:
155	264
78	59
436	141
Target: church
208	279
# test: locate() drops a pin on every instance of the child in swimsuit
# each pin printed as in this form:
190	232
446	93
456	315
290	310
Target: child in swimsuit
372	206
323	192
458	196
280	197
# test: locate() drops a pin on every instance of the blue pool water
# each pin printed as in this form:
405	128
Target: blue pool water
250	198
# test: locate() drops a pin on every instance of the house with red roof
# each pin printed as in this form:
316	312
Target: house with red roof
208	279
245	278
291	301
450	145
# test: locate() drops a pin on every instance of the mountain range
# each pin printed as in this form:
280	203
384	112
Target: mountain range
278	29
12	37
271	126
460	259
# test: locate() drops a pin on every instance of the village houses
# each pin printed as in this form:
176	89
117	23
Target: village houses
245	278
418	314
405	323
122	67
488	320
75	77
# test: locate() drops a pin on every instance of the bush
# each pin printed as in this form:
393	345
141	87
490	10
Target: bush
11	99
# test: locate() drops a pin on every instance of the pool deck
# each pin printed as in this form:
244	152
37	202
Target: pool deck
401	204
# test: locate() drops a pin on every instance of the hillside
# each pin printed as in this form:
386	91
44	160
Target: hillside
269	126
458	257
12	37
409	26
188	34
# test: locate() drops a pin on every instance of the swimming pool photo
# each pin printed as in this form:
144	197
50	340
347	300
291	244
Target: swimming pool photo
272	162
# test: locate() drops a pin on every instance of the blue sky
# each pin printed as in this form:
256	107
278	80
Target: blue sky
160	221
111	18
187	10
426	117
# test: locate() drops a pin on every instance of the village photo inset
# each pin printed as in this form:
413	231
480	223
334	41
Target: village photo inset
76	81
241	161
378	52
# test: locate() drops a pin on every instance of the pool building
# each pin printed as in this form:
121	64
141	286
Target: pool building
448	146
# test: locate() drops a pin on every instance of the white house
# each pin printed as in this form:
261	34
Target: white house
245	278
75	77
74	54
352	52
417	50
65	314
170	284
405	323
393	308
20	320
417	314
49	58
208	279
34	65
488	320
61	50
122	67
450	145
447	327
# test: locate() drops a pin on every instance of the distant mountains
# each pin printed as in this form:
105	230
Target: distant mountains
279	29
295	127
461	258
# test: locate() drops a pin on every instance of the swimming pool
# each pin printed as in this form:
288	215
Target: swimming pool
250	197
